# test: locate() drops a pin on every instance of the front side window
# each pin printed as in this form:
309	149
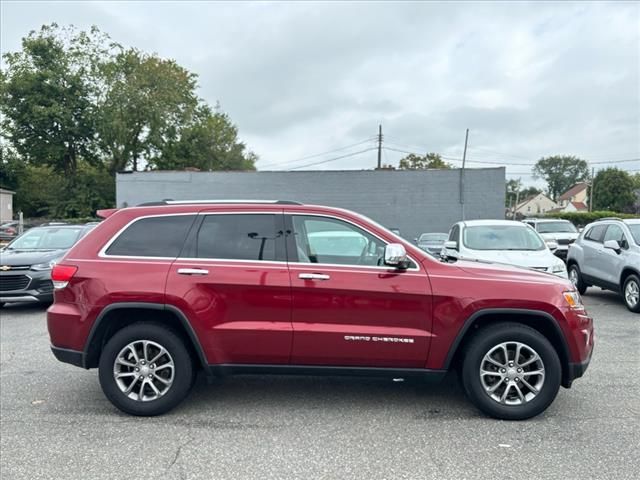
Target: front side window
453	235
332	241
238	237
614	232
501	237
152	237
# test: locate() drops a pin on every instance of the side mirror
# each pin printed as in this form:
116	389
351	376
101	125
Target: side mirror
415	240
451	245
613	245
395	256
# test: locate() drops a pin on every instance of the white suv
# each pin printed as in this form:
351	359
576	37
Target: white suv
554	230
607	254
502	241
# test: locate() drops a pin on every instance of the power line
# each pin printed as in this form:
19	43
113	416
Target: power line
333	159
307	157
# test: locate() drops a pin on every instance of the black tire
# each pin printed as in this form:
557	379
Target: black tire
184	373
484	341
579	284
634	307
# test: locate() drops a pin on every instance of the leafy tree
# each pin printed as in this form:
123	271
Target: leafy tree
47	94
613	189
147	101
418	162
515	192
210	142
11	167
561	172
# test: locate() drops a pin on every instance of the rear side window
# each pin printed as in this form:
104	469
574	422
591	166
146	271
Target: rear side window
153	237
238	237
596	233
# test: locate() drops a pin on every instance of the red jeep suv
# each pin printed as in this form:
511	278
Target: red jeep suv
157	292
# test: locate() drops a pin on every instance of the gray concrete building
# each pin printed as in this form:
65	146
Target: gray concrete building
414	201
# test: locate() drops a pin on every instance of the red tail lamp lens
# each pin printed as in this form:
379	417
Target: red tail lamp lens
61	274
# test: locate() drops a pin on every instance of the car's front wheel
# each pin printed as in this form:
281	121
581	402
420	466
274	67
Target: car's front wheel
145	369
631	293
576	279
511	371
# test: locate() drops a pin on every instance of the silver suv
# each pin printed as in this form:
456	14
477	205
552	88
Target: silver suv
607	255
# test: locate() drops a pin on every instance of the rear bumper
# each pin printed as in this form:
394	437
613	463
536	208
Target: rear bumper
65	355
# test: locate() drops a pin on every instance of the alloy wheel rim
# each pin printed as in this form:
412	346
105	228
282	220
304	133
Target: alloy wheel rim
573	276
632	293
512	373
144	370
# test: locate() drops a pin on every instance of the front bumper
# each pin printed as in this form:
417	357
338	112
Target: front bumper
26	286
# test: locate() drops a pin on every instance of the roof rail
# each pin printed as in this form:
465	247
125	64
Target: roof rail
608	218
188	202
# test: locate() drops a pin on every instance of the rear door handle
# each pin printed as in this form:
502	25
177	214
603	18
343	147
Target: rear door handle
193	271
313	276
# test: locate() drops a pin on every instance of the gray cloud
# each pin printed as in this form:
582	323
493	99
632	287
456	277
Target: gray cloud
528	79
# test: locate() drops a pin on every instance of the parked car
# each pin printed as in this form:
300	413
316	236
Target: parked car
607	255
9	230
502	241
156	293
432	242
561	232
26	262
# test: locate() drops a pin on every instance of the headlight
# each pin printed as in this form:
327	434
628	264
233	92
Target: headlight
44	266
573	299
559	268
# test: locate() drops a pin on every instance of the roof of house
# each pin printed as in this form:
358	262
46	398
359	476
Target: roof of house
577	188
522	204
4	190
580	206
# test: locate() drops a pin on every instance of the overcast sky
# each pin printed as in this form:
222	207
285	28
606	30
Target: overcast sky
528	80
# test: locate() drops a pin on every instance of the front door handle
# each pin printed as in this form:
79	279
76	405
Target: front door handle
193	271
313	276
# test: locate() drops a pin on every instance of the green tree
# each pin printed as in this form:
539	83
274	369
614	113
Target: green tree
147	101
419	162
515	192
47	96
561	172
11	167
613	190
210	142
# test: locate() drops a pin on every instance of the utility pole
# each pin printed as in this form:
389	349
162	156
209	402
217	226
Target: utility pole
379	147
464	158
593	182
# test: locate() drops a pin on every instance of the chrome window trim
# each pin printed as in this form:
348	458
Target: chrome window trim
103	254
377	267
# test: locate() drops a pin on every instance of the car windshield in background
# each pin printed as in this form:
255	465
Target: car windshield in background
46	239
556	227
501	237
635	231
433	237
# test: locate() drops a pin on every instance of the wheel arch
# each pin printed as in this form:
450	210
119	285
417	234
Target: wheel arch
116	316
626	271
541	321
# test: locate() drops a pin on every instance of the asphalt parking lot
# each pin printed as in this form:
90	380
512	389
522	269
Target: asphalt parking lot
56	423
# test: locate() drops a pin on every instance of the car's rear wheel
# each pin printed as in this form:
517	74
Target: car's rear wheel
145	369
631	293
576	279
511	371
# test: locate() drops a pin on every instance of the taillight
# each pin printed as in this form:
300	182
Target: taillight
61	274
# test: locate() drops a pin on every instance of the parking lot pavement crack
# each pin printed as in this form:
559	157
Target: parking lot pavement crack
176	457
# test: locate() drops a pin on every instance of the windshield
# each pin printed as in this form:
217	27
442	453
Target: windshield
635	231
556	227
46	239
502	237
433	237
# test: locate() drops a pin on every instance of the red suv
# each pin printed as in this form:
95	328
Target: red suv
157	292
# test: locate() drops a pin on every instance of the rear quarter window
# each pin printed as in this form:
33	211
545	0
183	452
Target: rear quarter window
152	237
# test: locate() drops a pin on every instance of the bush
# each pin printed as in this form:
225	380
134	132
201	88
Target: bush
580	219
